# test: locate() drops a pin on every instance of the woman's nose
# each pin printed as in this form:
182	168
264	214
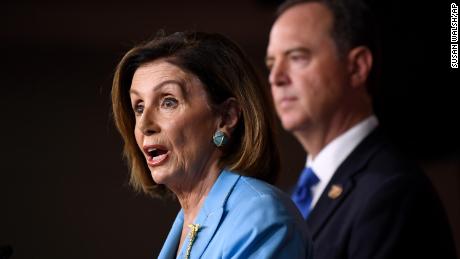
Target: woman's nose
147	123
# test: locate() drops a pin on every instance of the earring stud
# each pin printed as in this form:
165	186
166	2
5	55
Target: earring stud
219	138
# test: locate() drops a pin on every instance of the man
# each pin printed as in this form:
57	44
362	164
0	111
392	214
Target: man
360	198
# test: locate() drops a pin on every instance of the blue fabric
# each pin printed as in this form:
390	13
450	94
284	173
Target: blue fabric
243	218
302	195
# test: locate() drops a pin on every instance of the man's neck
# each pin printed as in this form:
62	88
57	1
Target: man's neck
315	138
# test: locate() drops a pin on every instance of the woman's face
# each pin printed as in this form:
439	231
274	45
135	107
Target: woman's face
174	124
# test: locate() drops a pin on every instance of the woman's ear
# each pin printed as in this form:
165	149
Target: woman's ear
359	66
230	111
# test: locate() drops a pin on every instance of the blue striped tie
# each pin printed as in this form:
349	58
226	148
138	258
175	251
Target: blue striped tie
302	195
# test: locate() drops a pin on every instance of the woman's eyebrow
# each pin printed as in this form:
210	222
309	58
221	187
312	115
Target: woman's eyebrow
161	85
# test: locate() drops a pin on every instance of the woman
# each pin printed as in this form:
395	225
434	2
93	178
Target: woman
198	123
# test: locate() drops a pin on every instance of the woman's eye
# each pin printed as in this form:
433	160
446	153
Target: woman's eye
169	103
138	109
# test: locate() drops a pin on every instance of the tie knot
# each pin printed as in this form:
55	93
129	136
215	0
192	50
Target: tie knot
303	195
308	178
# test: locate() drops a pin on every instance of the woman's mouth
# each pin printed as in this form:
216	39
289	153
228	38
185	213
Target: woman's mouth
156	155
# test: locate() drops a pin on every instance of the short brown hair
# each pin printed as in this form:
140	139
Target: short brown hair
225	72
354	24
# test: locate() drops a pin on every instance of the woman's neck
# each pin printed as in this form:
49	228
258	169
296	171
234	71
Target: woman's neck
192	197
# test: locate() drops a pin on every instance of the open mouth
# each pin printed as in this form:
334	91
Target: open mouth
156	155
154	152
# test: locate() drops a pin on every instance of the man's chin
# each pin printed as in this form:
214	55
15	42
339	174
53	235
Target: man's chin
291	126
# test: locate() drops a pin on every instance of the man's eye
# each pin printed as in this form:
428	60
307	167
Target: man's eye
298	57
138	109
169	103
269	66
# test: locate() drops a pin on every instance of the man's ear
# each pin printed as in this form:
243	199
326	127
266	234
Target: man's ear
230	111
359	65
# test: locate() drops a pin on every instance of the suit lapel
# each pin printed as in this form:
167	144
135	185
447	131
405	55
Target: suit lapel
208	226
341	184
326	206
169	249
210	214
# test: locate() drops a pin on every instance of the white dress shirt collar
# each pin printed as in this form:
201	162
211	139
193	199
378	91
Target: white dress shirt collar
333	154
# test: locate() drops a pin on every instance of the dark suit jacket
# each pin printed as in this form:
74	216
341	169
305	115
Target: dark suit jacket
387	209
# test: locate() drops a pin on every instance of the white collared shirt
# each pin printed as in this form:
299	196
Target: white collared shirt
333	154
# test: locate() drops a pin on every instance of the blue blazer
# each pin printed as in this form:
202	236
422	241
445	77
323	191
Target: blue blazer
243	217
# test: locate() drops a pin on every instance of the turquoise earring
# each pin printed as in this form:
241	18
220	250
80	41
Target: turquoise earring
219	138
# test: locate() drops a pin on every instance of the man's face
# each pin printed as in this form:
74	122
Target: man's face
307	76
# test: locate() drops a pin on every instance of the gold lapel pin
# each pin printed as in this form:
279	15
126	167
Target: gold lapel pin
192	234
335	191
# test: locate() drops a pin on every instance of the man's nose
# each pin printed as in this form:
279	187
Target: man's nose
279	74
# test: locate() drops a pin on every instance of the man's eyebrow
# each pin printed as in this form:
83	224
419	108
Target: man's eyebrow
270	58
